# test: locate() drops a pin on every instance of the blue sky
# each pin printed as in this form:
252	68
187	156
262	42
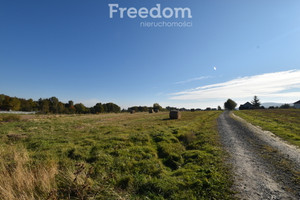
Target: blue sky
71	49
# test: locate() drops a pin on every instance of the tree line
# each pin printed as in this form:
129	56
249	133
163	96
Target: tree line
155	107
54	106
255	104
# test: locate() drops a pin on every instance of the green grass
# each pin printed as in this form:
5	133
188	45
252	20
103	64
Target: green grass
120	156
283	122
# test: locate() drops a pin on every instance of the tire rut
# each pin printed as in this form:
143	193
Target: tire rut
262	168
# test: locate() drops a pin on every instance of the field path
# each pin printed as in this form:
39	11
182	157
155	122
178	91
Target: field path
264	166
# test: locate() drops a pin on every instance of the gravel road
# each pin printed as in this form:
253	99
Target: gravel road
264	166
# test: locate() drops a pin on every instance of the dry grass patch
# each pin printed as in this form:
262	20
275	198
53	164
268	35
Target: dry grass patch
21	180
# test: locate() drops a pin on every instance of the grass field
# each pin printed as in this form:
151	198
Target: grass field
283	122
112	156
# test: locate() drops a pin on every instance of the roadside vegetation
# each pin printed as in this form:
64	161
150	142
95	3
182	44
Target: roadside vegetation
112	156
283	122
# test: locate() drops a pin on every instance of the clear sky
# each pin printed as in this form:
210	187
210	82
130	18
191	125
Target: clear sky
72	49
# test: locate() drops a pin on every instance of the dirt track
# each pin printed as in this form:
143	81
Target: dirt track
265	167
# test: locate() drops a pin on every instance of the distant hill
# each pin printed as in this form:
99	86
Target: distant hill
268	104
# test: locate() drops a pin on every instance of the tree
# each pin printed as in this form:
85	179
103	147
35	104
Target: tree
111	107
171	108
70	104
140	108
44	105
219	108
6	103
98	108
61	107
14	104
80	108
230	104
25	105
53	104
2	98
70	107
156	106
285	106
33	104
255	102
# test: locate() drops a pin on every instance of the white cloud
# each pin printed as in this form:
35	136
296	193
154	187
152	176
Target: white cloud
269	86
193	79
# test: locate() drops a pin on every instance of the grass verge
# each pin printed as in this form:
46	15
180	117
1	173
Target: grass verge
285	123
